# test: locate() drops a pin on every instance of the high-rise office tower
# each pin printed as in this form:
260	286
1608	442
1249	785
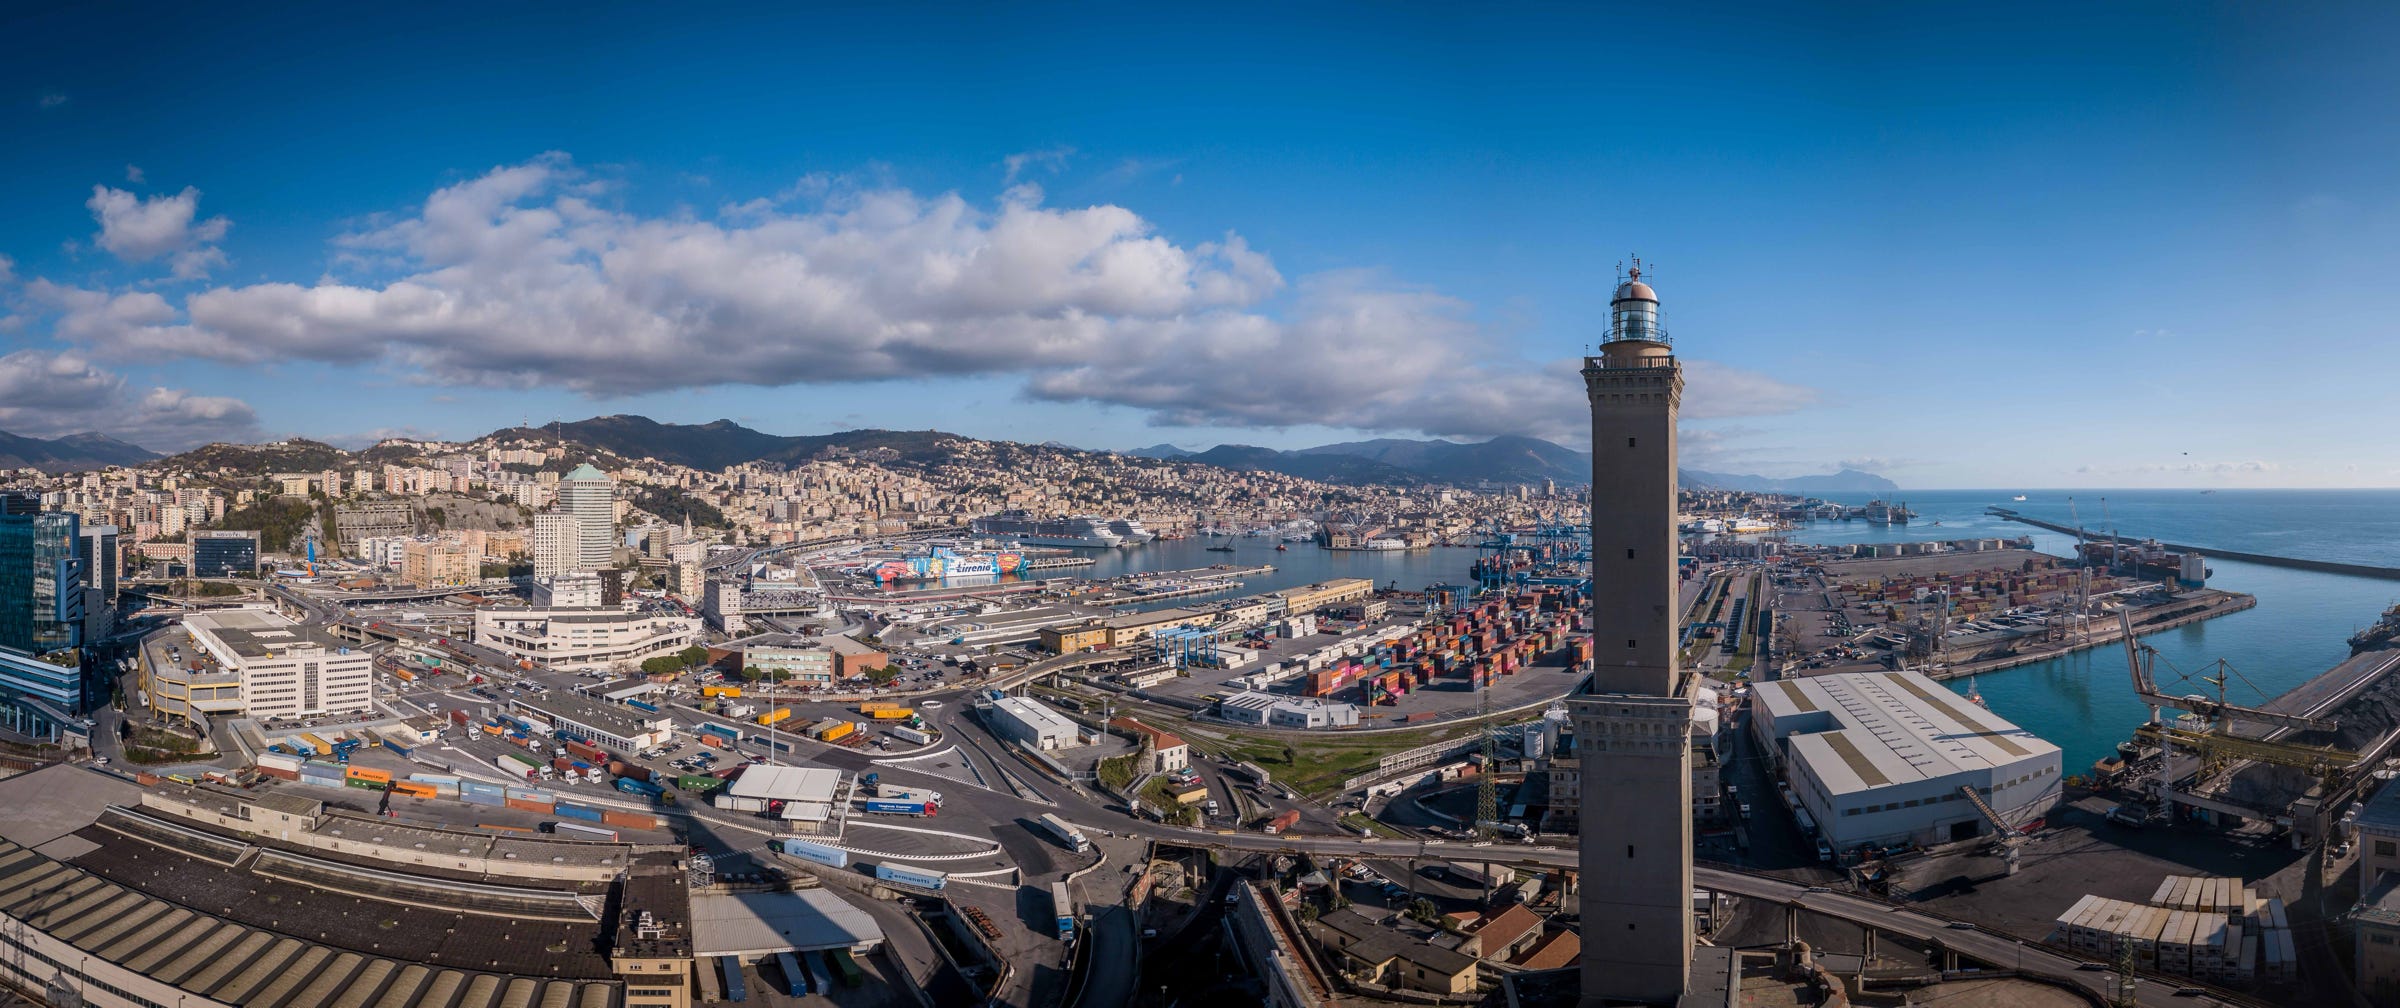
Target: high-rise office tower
1633	723
589	495
41	581
96	548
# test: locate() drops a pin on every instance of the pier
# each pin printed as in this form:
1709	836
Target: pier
2325	566
2103	632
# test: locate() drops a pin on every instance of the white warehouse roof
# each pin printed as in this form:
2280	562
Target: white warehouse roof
1042	720
790	784
1863	730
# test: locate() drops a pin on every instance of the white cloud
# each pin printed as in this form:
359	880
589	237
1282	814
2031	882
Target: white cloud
133	174
46	394
519	278
140	230
8	270
1053	159
51	99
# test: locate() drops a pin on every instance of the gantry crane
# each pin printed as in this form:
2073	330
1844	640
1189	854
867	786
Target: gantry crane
2214	742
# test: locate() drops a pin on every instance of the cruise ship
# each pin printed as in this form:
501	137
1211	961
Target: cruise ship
1131	530
1082	531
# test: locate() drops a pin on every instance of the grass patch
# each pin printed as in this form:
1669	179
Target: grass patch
1359	820
1117	772
1319	766
150	745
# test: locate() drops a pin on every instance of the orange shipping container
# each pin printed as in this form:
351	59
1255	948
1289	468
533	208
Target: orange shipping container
370	774
629	820
527	805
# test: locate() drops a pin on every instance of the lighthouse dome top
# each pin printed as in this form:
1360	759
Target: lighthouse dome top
1633	289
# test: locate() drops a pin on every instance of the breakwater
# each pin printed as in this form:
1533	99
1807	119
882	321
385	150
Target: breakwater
2299	563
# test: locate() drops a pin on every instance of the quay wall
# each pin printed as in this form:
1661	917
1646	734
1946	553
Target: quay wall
2103	635
2325	566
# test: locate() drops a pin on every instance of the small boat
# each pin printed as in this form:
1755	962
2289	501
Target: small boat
1281	548
1220	549
1975	694
2018	497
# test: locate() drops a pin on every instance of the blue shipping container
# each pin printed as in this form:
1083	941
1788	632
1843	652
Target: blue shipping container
638	705
898	807
795	983
721	731
479	787
529	794
429	778
571	810
643	788
922	880
731	969
809	850
398	748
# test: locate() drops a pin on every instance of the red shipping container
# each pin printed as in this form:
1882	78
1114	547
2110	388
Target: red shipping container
280	774
628	820
528	805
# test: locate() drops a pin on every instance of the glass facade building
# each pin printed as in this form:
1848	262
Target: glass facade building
224	554
41	579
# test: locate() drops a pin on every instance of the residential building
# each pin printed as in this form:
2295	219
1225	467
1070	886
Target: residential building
1033	724
557	544
439	563
1168	751
224	553
283	669
590	496
584	638
1380	955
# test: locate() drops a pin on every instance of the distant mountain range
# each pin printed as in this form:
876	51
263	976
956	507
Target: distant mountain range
1845	481
87	450
722	443
1503	460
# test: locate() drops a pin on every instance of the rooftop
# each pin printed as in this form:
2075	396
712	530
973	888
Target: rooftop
2381	814
1033	713
1364	939
258	633
749	924
784	783
654	910
1861	730
590	713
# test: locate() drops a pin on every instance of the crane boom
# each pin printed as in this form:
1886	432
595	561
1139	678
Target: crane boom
2140	657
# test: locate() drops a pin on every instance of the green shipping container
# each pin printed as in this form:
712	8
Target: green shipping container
698	784
364	785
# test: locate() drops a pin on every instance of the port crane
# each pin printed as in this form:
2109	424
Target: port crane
2214	741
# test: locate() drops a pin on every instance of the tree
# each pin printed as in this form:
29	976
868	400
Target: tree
1307	913
694	655
883	676
1425	910
753	673
663	665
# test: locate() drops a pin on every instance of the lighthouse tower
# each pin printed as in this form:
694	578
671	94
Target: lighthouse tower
1633	720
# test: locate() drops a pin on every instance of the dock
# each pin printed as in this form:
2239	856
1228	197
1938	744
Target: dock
1054	562
1157	592
2103	632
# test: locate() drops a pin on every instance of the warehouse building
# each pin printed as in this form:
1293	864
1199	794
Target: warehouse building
1881	757
609	726
1029	722
1280	711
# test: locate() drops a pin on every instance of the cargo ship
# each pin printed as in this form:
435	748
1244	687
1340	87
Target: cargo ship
1081	531
2381	634
939	562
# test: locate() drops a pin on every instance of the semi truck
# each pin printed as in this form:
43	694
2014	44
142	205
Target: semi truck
911	808
921	879
1065	832
896	792
1062	906
517	764
640	787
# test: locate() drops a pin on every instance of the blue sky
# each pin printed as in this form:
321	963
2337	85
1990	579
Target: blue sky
2122	245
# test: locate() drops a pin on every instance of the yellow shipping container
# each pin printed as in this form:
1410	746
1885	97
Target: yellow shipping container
1192	796
871	706
775	715
720	691
323	747
840	731
892	713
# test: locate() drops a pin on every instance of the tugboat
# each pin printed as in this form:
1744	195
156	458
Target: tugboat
1281	548
2380	635
1975	694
